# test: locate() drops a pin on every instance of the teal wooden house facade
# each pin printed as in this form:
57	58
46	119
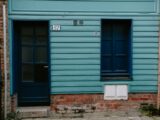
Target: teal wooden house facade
77	47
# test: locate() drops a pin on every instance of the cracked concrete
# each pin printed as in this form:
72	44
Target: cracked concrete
107	115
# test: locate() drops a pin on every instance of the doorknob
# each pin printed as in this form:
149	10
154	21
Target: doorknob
46	66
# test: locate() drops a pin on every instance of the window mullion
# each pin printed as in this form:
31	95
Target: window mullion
33	46
113	48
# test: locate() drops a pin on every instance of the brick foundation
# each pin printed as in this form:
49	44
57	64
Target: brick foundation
14	102
96	101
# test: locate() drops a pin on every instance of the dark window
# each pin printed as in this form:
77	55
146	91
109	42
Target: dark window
115	49
34	51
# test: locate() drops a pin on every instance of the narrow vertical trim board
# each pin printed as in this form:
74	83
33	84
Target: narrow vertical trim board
5	60
158	8
10	27
158	96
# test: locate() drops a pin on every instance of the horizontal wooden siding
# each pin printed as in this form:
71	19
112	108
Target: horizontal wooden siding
75	50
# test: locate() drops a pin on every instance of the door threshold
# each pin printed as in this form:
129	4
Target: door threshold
31	112
32	108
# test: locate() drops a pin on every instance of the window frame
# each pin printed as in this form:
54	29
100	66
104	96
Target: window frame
116	76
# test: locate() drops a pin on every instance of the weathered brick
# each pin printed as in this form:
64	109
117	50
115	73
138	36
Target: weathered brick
2	57
97	100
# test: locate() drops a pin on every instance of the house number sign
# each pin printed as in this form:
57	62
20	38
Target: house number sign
55	27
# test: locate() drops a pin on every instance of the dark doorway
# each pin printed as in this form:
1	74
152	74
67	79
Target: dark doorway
31	62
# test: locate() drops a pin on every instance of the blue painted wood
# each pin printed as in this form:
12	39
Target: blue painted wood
109	6
145	67
145	50
145	45
75	45
94	33
76	78
158	7
12	80
78	72
136	22
145	34
75	50
75	67
70	22
75	39
75	56
77	62
77	84
80	15
146	56
147	83
144	61
145	78
141	88
145	39
145	23
95	83
75	90
145	72
80	28
145	28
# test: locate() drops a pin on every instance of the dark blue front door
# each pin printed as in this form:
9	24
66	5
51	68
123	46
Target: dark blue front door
31	44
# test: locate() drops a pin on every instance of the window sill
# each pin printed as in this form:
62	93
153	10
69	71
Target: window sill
116	78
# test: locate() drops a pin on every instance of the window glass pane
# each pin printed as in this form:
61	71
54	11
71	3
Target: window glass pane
41	72
27	72
121	47
41	35
41	54
27	40
121	64
41	30
106	47
121	32
41	40
27	30
106	64
27	54
107	32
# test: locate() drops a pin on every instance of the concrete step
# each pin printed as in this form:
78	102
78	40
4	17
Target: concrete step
33	112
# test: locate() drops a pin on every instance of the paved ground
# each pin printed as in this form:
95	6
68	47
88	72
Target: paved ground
100	118
108	115
108	118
